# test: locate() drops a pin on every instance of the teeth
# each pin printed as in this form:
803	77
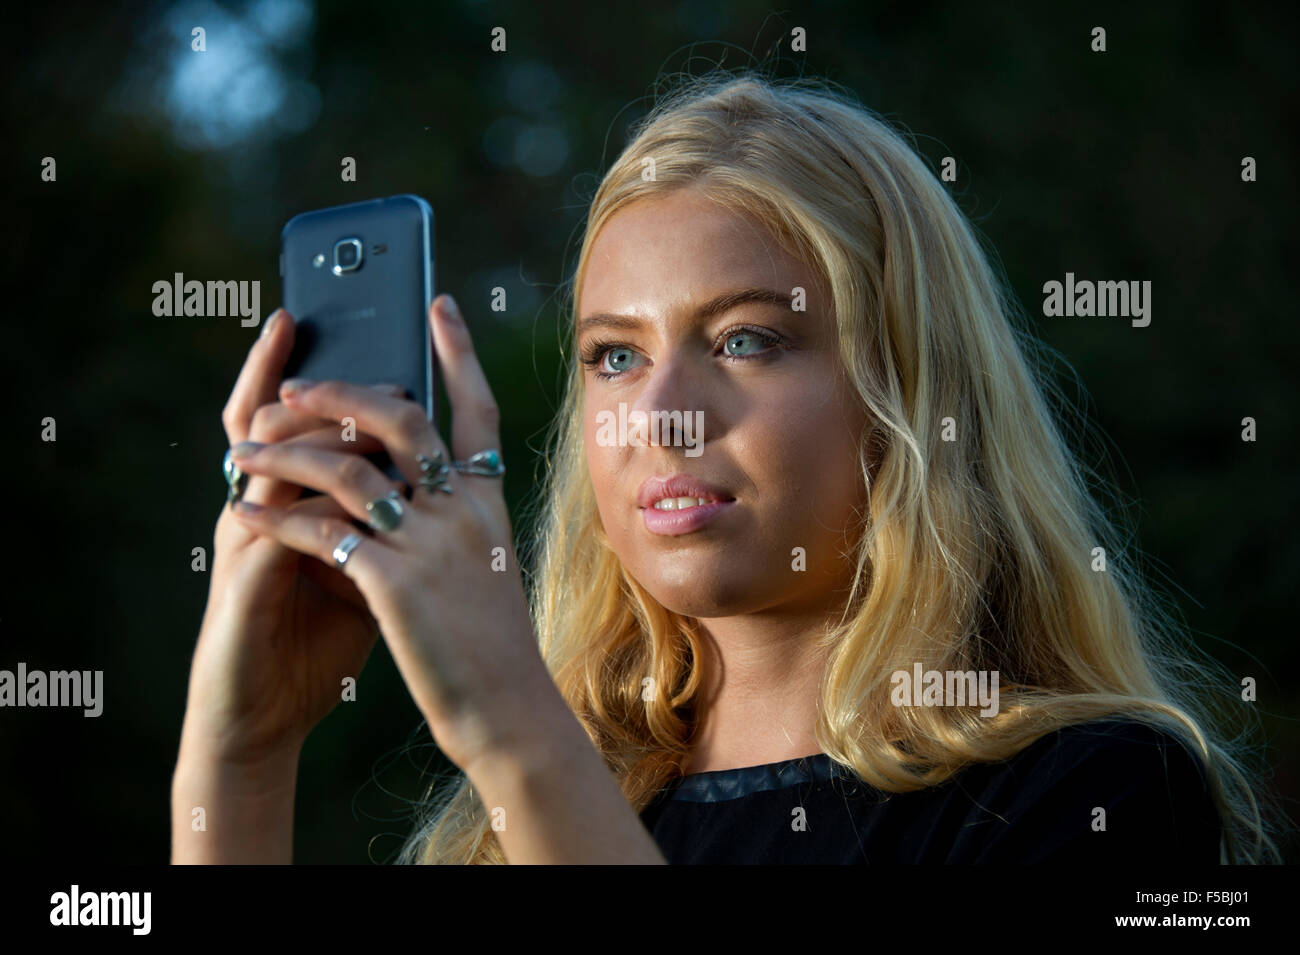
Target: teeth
680	503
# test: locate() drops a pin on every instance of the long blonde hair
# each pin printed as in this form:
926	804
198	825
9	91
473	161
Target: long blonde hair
974	554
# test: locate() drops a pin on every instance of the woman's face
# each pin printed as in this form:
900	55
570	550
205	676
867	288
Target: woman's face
779	433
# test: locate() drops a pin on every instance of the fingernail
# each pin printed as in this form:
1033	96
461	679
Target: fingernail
270	322
248	507
244	448
451	311
295	386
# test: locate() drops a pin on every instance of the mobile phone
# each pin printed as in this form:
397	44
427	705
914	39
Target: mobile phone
358	280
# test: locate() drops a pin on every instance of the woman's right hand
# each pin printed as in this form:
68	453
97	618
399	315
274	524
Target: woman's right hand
281	630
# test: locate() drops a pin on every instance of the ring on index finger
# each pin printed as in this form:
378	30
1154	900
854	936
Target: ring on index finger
236	480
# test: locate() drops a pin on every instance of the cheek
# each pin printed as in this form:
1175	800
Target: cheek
602	466
803	449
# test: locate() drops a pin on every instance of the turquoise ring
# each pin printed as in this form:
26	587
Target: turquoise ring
485	463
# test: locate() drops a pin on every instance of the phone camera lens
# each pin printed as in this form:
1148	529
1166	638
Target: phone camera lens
347	255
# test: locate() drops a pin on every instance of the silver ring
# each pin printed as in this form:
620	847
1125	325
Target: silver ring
236	480
385	512
345	548
433	472
485	463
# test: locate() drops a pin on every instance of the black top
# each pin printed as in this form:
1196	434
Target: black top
1037	806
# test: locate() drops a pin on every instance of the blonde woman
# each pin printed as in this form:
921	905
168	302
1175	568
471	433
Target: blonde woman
840	604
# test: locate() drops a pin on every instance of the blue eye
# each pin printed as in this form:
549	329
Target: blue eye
615	350
742	335
593	355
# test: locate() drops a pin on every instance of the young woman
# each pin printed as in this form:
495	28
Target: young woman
844	604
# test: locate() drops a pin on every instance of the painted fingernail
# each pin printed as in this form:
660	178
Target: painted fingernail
451	311
295	386
244	448
270	322
248	507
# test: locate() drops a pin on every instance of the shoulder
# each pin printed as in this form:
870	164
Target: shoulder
1102	791
1112	747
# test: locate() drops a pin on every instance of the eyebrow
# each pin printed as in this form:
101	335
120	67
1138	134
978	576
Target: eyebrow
714	306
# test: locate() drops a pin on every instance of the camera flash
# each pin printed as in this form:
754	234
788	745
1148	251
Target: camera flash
319	260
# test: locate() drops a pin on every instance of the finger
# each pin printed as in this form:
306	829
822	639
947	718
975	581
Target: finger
324	505
276	422
349	479
402	425
369	564
277	492
327	576
259	375
475	417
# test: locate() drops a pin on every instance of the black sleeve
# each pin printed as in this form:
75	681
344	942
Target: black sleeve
1151	787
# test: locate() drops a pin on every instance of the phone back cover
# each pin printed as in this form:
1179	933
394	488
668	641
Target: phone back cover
369	325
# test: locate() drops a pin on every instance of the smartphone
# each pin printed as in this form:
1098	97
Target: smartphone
358	280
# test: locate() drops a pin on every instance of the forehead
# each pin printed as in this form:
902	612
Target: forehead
669	251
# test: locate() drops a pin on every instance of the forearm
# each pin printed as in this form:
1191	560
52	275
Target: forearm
559	803
247	811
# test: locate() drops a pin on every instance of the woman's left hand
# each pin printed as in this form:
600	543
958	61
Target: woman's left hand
459	630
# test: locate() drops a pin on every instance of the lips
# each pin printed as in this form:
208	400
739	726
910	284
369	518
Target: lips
679	485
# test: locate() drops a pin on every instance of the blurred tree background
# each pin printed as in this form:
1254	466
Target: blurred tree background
1121	165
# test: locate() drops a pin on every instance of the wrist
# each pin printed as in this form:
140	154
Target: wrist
535	733
212	740
558	801
244	776
205	762
227	811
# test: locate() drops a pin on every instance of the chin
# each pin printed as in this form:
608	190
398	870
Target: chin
705	595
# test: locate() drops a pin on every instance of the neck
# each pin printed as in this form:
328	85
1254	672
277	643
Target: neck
761	690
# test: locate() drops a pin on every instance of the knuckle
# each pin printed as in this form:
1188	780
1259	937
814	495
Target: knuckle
411	421
230	419
352	470
262	427
328	534
489	411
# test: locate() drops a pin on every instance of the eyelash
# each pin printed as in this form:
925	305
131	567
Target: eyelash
595	351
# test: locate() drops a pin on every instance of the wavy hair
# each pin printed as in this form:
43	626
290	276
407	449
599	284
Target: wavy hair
973	554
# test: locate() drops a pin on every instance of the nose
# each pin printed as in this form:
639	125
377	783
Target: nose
669	393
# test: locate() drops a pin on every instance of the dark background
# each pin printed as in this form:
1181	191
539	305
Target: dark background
1118	165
